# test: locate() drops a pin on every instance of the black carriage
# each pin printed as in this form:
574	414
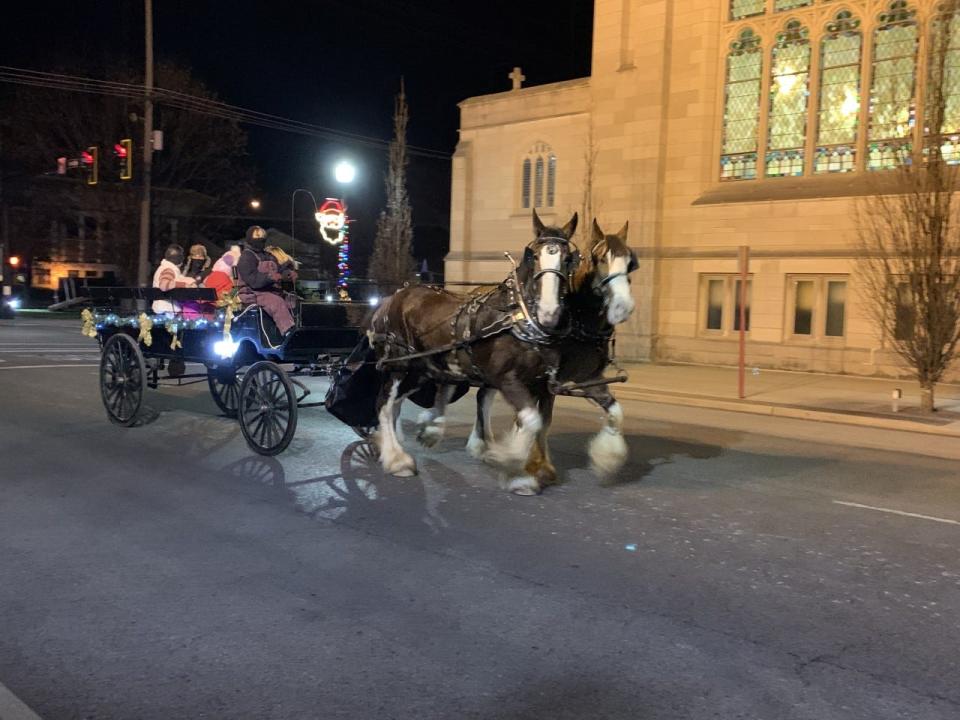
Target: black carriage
240	348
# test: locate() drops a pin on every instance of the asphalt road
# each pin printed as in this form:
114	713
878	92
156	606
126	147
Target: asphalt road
742	567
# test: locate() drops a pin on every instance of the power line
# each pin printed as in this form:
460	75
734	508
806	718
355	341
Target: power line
194	103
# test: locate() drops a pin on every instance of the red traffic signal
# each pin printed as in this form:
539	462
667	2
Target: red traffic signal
90	159
123	151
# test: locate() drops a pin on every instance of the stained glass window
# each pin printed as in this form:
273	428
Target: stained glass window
525	189
839	110
741	111
538	184
892	105
779	5
745	8
789	73
551	178
943	81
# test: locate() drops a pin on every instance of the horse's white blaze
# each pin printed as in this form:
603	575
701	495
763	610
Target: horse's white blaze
393	458
619	298
548	308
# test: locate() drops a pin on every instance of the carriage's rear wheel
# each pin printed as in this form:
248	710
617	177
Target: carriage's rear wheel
267	409
123	374
225	389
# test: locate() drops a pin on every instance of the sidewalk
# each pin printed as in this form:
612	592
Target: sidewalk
846	399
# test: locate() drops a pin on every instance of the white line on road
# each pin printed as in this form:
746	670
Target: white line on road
30	367
897	512
27	351
13	708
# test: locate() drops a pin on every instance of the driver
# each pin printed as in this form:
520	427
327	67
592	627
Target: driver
259	276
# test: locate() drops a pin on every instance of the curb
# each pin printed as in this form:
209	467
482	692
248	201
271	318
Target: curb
12	708
787	411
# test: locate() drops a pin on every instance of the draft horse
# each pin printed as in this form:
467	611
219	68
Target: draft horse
424	335
598	301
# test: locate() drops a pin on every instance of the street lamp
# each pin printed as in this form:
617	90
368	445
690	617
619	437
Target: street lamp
254	204
344	172
293	228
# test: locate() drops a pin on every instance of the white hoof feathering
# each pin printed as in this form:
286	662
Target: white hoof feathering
525	485
430	435
512	453
608	453
400	465
475	446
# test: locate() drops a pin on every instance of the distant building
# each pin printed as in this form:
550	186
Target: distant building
713	124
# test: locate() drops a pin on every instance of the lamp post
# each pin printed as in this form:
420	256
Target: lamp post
293	227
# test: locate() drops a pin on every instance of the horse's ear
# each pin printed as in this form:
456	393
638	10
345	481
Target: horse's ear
597	232
538	226
623	231
571	227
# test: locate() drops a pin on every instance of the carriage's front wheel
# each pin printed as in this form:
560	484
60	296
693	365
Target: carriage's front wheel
363	431
267	409
225	389
123	374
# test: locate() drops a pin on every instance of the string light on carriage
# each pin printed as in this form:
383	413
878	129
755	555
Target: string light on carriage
225	348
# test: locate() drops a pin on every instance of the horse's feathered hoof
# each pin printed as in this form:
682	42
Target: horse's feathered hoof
476	447
401	465
525	485
608	453
429	435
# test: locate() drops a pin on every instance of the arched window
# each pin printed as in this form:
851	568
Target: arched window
839	108
892	102
525	188
741	110
538	177
538	183
745	8
789	75
942	98
551	179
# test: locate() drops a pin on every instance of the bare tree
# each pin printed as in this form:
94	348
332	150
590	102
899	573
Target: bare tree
392	261
203	171
588	204
909	237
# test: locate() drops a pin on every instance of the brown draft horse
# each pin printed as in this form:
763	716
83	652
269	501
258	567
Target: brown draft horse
497	340
599	299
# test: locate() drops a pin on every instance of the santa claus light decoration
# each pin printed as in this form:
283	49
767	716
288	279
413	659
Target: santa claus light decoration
332	217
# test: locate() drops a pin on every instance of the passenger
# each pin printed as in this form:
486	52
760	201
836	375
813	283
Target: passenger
168	277
259	278
198	264
221	278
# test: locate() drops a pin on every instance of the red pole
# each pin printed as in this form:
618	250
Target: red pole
742	300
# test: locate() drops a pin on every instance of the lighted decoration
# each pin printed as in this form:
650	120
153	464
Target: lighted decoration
334	228
88	329
146	325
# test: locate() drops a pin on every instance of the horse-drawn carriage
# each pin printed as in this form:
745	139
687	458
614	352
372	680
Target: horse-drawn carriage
239	347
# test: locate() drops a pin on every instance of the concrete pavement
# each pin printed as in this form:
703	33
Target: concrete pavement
742	566
843	399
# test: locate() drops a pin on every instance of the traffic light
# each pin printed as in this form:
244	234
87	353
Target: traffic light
61	166
91	161
123	151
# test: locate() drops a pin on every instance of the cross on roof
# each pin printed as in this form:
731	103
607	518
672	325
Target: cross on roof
517	77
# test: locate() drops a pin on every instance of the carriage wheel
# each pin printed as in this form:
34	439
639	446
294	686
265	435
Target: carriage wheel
225	389
363	431
268	408
122	377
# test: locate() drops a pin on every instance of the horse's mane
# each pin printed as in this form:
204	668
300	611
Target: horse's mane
588	264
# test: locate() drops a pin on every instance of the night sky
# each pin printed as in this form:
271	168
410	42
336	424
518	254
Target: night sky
336	64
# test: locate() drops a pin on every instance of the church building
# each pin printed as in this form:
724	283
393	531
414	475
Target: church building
711	125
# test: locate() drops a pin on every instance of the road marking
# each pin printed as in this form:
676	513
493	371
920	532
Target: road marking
897	512
28	350
13	708
29	367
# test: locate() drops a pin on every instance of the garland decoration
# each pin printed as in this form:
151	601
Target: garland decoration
89	324
230	302
146	325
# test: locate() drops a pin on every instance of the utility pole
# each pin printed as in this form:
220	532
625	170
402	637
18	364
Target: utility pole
143	270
